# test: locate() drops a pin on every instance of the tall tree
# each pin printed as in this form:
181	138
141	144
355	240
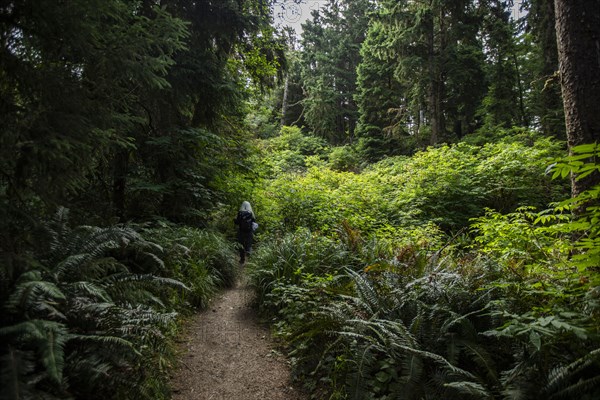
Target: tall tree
546	102
578	38
125	112
186	125
503	104
383	116
439	60
69	87
331	52
292	96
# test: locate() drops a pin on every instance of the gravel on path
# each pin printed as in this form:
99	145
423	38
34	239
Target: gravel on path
227	355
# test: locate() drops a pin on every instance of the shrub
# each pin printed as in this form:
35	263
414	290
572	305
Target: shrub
344	158
88	316
205	261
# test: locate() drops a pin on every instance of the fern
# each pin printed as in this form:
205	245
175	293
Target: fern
46	338
15	366
81	305
35	297
472	389
582	376
114	343
89	290
52	349
365	291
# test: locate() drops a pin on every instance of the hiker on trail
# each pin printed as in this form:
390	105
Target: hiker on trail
246	223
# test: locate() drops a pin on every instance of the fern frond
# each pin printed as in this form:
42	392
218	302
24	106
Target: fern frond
412	369
52	348
517	382
46	337
145	256
589	387
90	242
15	365
70	265
435	358
127	287
106	341
560	383
366	292
473	389
89	367
57	229
482	358
143	279
34	297
90	289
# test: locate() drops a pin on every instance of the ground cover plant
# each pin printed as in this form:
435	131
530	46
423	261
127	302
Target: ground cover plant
94	311
401	191
489	301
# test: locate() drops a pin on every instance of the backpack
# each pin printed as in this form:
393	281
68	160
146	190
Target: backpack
245	220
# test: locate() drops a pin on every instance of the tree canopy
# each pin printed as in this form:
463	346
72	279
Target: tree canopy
406	162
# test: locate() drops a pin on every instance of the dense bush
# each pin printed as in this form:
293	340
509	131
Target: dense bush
91	312
288	151
376	302
447	186
430	322
205	261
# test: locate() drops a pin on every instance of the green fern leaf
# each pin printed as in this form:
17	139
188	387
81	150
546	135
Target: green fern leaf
473	389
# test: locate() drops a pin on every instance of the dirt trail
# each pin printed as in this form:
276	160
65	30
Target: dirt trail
227	355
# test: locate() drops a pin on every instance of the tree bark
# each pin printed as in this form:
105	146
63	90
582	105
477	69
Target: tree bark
552	121
578	40
433	101
284	101
120	167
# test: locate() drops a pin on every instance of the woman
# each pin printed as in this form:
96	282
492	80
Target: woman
246	225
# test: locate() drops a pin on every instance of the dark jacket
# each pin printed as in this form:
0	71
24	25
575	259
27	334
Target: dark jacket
245	236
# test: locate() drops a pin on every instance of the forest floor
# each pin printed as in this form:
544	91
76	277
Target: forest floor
226	354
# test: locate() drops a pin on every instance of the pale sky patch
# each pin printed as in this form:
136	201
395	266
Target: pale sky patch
294	13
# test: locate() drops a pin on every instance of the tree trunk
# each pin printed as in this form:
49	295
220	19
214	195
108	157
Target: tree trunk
433	96
435	112
284	101
552	120
437	47
578	40
121	163
522	113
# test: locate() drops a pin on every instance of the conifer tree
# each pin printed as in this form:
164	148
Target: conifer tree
439	61
578	31
331	52
384	117
69	89
546	101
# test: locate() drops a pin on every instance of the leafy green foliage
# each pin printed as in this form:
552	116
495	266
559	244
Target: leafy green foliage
375	302
427	322
583	164
446	185
288	151
137	112
204	260
92	313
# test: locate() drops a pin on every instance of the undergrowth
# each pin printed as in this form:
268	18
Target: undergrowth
92	312
442	324
506	308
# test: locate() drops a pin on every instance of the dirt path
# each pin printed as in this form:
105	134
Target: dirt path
227	355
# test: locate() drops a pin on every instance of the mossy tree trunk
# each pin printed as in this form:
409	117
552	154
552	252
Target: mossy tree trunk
578	40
